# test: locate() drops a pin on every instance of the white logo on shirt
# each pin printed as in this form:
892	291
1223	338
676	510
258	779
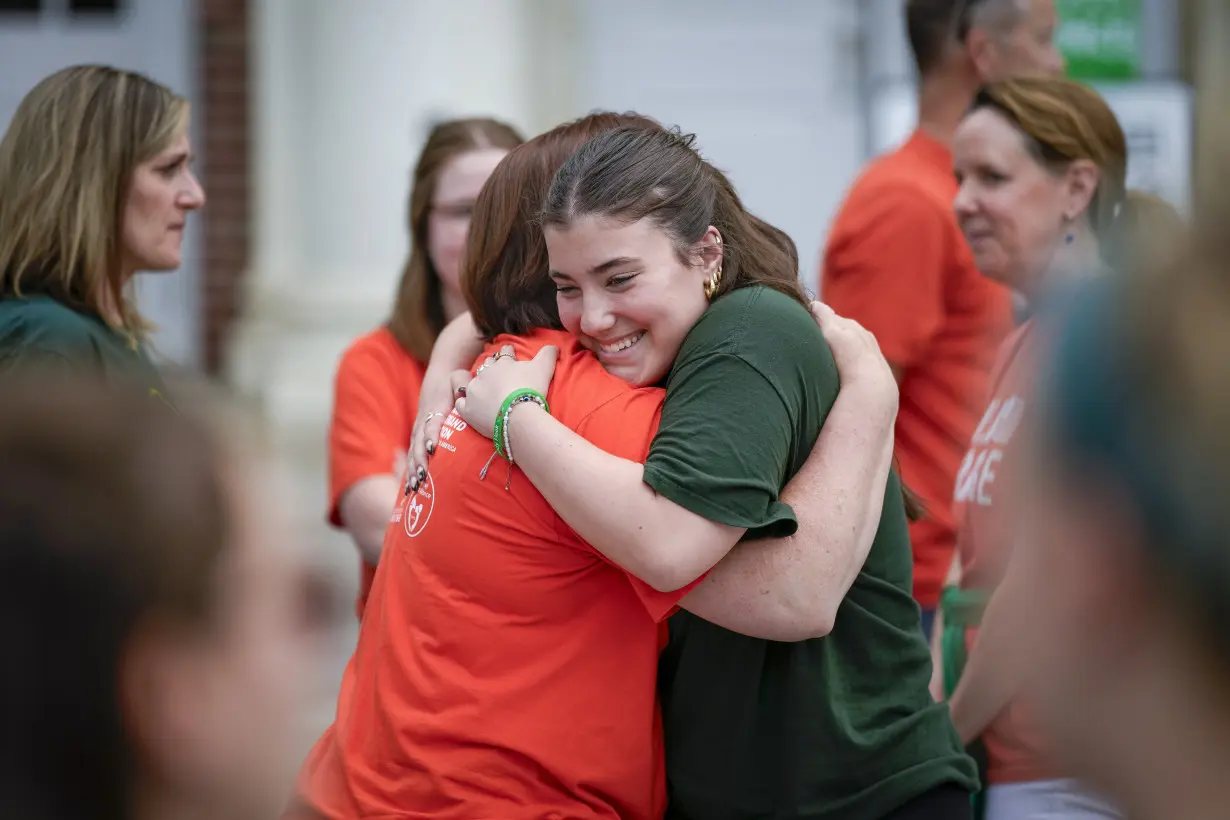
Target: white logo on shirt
977	475
415	509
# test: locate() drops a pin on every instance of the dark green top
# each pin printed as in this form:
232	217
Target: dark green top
41	335
837	727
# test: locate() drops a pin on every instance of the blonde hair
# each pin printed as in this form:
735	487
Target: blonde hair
1065	121
66	164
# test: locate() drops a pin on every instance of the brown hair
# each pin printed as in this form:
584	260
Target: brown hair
933	25
109	520
1064	121
504	275
66	166
634	173
418	311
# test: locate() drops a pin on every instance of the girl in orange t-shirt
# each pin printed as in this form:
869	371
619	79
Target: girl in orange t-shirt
1042	166
506	668
378	378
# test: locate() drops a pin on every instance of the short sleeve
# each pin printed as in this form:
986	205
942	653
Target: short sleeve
884	267
373	411
723	449
624	427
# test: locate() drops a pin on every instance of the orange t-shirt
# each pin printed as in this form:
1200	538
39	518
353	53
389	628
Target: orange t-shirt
897	263
375	400
988	512
504	668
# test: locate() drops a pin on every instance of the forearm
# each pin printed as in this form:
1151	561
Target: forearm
605	499
364	510
457	346
838	497
998	661
789	589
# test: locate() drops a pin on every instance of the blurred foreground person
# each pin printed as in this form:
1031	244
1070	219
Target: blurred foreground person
1132	659
152	625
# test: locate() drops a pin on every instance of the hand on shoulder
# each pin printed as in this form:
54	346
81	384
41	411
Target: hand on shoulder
860	363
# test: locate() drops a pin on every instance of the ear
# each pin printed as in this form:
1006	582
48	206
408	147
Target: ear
983	54
710	250
1081	182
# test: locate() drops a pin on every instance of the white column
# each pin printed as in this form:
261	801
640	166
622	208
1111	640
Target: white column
344	92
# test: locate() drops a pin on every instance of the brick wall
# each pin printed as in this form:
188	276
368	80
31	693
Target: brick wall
224	112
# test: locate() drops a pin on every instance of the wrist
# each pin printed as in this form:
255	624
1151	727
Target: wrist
502	434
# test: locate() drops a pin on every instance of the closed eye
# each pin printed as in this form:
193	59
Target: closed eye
620	279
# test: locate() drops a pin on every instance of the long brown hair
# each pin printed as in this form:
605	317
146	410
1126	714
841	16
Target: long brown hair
504	275
418	311
66	166
637	173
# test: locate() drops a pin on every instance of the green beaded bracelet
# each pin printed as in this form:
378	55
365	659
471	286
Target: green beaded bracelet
499	436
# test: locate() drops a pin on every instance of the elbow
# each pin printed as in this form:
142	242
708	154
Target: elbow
803	620
663	570
667	577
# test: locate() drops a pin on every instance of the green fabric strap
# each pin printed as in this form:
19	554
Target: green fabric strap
962	609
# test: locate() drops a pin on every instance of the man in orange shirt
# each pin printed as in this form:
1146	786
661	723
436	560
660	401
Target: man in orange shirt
896	261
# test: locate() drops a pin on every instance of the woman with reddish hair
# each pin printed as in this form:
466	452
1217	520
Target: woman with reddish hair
378	377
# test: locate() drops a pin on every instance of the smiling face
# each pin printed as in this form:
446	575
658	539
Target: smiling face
162	193
624	292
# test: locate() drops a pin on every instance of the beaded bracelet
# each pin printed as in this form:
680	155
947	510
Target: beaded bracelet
500	437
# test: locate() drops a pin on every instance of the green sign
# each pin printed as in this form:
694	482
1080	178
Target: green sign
1100	39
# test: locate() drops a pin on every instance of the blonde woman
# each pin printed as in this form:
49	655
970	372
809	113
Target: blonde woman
95	170
1042	166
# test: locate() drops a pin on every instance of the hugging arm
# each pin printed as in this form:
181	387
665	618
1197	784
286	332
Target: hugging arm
789	588
668	532
456	348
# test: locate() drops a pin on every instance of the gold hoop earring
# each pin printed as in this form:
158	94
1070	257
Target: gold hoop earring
711	284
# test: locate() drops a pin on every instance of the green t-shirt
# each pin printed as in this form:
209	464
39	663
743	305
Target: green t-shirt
836	727
39	335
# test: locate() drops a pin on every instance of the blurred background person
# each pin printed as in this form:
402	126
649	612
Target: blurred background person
97	183
154	619
1041	164
377	384
896	261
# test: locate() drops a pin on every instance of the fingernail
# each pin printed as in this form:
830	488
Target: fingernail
422	474
431	448
414	484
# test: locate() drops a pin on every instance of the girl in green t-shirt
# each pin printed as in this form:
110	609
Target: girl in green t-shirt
660	270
